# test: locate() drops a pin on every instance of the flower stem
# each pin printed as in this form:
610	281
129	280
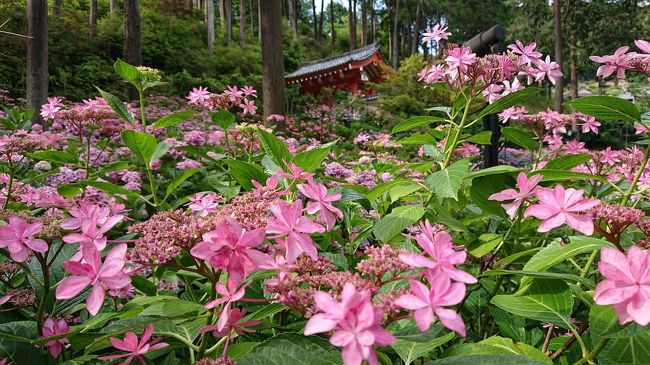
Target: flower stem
637	176
142	118
592	355
454	141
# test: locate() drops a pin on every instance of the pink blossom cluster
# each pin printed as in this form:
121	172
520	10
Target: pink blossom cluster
622	60
231	97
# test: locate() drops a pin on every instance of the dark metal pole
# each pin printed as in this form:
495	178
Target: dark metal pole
482	44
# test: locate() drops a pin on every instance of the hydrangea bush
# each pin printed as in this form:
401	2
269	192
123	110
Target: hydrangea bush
133	233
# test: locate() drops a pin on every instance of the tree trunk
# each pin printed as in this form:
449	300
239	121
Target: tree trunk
252	18
242	23
573	59
132	50
272	60
56	10
37	73
352	22
320	19
395	44
259	20
557	33
222	14
332	25
209	7
364	25
416	29
293	18
92	20
113	7
373	27
228	10
313	12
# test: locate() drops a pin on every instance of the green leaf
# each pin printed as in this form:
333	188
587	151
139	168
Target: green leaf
55	156
161	149
409	351
545	301
237	350
312	159
110	188
294	349
222	118
607	108
494	170
178	180
567	162
509	325
516	98
497	345
69	190
446	182
117	105
395	222
542	275
561	175
485	243
274	147
266	311
142	284
632	349
141	144
127	72
245	172
484	186
418	139
519	137
484	137
556	253
494	359
381	189
172	307
416	122
171	120
84	359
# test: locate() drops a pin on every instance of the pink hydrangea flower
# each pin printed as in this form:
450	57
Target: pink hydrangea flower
53	328
91	234
229	247
133	347
198	96
233	324
617	62
526	190
16	237
51	108
85	211
442	258
249	91
295	173
626	284
527	54
92	272
559	206
322	203
248	107
229	294
289	222
549	69
436	34
355	324
427	303
204	203
460	58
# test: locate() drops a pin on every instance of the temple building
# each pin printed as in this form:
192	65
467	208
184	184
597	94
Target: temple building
351	71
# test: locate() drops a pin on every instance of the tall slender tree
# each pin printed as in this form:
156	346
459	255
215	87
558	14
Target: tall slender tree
209	7
315	19
242	23
416	29
557	33
395	35
56	10
132	45
92	19
364	23
293	18
228	14
272	60
321	19
352	22
37	72
113	7
332	27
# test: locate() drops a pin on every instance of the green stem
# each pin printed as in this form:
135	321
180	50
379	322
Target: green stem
9	187
454	141
594	353
216	346
142	118
46	291
87	158
153	191
637	176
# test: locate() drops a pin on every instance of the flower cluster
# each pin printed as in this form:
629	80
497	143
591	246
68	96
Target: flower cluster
228	99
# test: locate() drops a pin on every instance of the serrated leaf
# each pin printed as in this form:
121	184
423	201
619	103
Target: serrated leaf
567	162
484	137
295	349
634	349
416	122
245	172
127	72
392	224
446	182
418	139
607	108
409	351
275	148
312	159
178	180
55	156
519	137
545	301
171	120
141	144
222	118
117	105
516	98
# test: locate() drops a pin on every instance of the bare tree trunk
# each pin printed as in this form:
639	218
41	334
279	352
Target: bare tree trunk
242	23
209	6
37	73
416	29
56	10
313	12
332	25
92	20
320	19
273	69
293	18
113	7
259	20
228	11
132	45
222	14
252	18
352	22
395	44
573	59
373	27
557	33
364	25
